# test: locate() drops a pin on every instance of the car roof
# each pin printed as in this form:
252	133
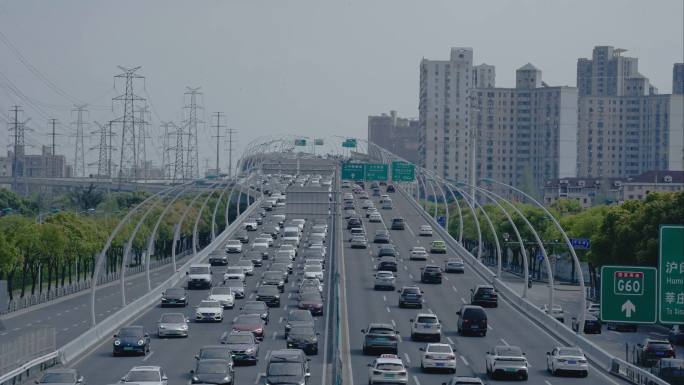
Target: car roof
433	315
389	359
380	325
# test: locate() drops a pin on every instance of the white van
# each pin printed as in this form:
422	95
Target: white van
291	235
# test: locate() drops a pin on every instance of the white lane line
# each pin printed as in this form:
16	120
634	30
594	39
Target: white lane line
251	296
59	314
280	320
450	340
430	311
388	309
504	342
464	360
384	298
275	334
285	307
410	276
405	267
258	377
65	329
432	260
394	323
454	289
445	277
100	314
410	231
463	300
148	355
289	295
3	334
15	329
415	379
29	324
547	382
408	359
490	327
74	325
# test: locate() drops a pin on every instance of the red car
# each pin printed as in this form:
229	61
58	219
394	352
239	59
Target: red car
250	323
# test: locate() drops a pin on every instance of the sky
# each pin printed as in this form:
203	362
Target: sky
302	67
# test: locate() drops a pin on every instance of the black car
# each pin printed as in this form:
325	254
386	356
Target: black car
215	352
303	337
287	366
387	263
472	320
622	327
242	236
484	295
269	294
174	296
381	236
387	251
410	296
354	222
131	339
676	337
376	192
390	188
298	317
212	371
256	307
398	224
255	256
348	205
243	346
652	350
431	274
311	301
592	325
273	230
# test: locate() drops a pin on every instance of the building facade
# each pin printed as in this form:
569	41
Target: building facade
44	165
678	79
624	127
398	135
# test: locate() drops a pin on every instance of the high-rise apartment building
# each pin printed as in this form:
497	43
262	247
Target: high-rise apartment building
624	127
398	135
678	79
523	135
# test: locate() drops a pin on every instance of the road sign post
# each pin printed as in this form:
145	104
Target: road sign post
349	143
376	172
353	171
628	294
580	243
403	172
671	277
300	142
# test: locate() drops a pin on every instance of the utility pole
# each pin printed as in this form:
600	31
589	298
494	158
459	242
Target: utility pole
128	159
218	137
17	129
53	150
231	131
79	155
104	159
191	124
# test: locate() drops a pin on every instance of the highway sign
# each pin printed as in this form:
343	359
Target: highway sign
353	171
403	172
300	142
628	294
349	143
376	171
580	243
671	278
318	142
441	220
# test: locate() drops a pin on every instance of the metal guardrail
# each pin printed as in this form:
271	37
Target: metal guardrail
27	346
594	353
30	369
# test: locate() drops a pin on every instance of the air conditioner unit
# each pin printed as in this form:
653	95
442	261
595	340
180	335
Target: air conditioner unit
580	183
668	179
617	183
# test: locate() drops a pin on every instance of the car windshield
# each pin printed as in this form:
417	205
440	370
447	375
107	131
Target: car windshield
268	290
389	366
235	284
475	314
248	319
143	376
381	330
207	353
569	352
234	271
511	351
284	369
173	318
233	242
211	367
174	292
659	345
130	332
438	349
209	304
302	330
313	268
384	274
411	290
240	339
427	320
199	270
273	275
55	378
221	290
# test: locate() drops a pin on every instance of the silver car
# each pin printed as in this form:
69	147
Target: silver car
61	377
172	325
384	280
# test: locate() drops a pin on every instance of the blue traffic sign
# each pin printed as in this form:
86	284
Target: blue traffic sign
580	243
441	220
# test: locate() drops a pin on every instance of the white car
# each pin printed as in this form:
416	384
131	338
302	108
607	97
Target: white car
290	248
145	375
454	265
266	240
426	326
438	357
366	204
464	381
418	253
246	265
425	231
313	271
224	295
384	280
506	361
375	217
236	273
250	224
556	312
388	368
312	282
233	246
567	359
209	310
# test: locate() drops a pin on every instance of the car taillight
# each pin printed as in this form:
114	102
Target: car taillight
465	321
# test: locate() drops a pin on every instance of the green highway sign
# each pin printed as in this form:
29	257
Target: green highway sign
353	171
349	143
628	294
300	142
671	278
318	142
403	172
376	171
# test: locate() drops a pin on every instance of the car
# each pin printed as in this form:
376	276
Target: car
426	326
274	278
506	361
174	296
290	249
145	375
594	309
311	301
438	356
471	320
218	259
61	377
418	253
267	239
242	236
592	325
283	260
172	325
303	337
387	369
410	296
384	280
670	370
287	366
376	192
370	211
356	231
390	188
381	236
431	274
387	251
383	197
250	224
349	211
311	283
622	327
454	265
298	317
375	217
269	294
256	307
209	311
215	352
425	231
237	287
380	337
438	247
556	312
234	273
244	348
233	246
266	236
398	224
282	267
224	295
459	380
199	276
250	323
260	248
366	204
676	337
651	350
387	204
484	295
131	339
272	230
387	263
354	222
212	371
314	271
359	242
246	265
567	360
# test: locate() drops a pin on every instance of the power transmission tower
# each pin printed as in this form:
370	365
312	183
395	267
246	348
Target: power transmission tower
53	147
218	137
104	159
231	131
191	124
178	165
79	155
18	134
143	123
167	148
128	160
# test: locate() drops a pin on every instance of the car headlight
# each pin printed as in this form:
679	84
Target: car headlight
182	299
117	342
198	314
184	327
141	342
195	378
250	350
162	327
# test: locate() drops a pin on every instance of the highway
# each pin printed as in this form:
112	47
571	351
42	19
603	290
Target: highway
506	325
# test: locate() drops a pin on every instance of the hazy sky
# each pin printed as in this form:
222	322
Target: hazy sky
316	67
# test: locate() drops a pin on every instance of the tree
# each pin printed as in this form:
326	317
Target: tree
87	197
